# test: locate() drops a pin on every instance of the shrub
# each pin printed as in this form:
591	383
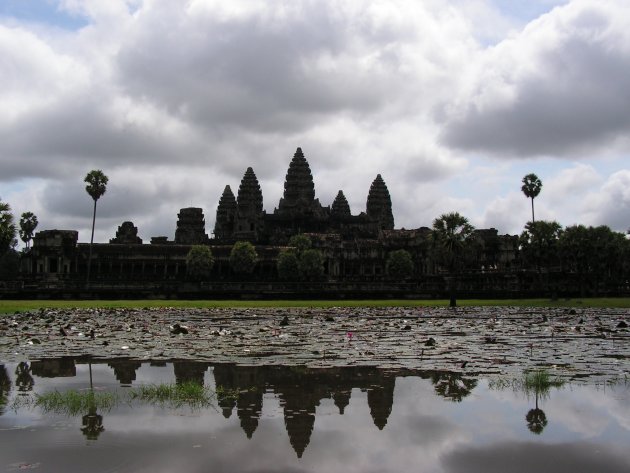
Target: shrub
311	264
288	266
243	257
199	262
399	264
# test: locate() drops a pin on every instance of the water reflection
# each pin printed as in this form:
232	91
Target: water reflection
23	378
299	390
125	370
452	386
92	421
5	387
396	419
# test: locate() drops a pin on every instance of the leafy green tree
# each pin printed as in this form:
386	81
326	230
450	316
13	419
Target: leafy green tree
452	235
28	224
399	264
7	228
539	243
311	265
243	258
532	186
96	187
594	254
199	262
288	265
300	243
301	262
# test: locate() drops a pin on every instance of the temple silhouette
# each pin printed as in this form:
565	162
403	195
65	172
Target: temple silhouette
355	249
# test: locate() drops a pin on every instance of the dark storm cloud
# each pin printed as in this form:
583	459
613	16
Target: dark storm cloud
572	98
54	141
525	457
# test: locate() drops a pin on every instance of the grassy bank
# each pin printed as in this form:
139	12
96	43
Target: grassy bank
10	306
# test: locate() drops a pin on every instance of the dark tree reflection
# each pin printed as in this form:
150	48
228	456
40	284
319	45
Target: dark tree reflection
452	386
536	418
92	421
5	387
92	424
23	378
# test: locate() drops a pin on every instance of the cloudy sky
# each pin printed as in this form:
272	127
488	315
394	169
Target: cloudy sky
452	101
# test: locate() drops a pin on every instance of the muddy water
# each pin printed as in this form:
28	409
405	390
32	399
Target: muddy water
296	419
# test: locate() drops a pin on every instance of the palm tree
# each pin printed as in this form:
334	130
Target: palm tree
28	224
451	234
531	188
97	185
7	228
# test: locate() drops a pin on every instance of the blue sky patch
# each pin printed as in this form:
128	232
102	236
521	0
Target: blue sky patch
526	10
46	12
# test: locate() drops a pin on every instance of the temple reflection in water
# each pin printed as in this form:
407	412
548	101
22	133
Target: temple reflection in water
242	388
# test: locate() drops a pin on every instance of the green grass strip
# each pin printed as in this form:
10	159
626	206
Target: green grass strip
11	306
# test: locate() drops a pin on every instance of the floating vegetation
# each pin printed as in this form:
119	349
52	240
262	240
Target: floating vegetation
69	403
539	382
190	394
77	402
533	382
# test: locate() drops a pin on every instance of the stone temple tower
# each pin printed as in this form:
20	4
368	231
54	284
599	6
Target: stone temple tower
226	215
299	189
340	207
249	208
379	204
191	227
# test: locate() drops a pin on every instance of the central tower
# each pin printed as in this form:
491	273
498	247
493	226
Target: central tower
299	189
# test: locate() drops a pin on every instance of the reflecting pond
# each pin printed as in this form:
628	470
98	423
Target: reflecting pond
290	419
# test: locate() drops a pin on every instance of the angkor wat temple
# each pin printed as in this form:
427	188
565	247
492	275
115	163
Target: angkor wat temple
355	248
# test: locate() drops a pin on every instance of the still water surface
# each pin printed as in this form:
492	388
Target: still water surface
282	419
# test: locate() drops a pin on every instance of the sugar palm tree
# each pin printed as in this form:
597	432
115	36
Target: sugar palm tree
97	185
451	235
28	224
531	188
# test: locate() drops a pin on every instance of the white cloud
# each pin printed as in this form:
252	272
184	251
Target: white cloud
610	205
556	88
174	101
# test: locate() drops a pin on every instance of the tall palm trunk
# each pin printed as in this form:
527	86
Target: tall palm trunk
89	265
533	219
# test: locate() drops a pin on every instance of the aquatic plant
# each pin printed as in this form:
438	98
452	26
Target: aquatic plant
190	394
539	382
533	382
76	402
70	402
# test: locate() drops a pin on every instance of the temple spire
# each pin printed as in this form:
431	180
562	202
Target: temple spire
340	207
249	207
379	204
226	215
298	185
